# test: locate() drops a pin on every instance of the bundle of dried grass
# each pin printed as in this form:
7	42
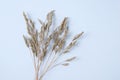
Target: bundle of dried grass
47	47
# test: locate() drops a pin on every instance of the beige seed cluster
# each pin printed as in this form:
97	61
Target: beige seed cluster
48	45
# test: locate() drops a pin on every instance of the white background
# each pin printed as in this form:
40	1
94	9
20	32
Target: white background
98	50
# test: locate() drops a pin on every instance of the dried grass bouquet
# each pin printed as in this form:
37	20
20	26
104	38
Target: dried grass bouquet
47	45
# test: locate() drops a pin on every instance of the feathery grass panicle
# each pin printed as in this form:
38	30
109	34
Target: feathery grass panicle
70	59
47	47
65	64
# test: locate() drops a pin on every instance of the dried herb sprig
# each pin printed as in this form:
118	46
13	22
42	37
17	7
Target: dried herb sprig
47	47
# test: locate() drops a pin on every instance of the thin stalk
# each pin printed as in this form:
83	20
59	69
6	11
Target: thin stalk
44	65
50	64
